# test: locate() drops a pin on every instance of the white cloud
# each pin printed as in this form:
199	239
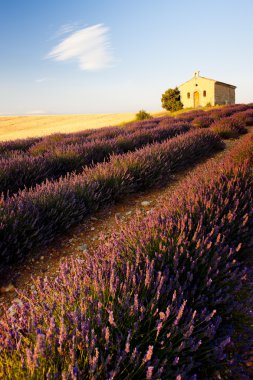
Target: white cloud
90	47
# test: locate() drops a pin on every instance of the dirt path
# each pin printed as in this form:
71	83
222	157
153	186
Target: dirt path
46	261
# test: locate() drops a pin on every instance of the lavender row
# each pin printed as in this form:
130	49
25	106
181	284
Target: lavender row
63	157
216	113
35	216
55	141
159	301
233	126
49	143
26	171
17	145
244	150
42	145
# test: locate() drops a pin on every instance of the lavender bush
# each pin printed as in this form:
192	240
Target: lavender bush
244	150
227	111
51	143
34	217
202	122
19	145
189	116
244	117
22	170
159	301
229	127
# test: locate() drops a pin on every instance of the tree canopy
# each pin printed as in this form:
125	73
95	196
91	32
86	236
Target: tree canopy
171	100
142	115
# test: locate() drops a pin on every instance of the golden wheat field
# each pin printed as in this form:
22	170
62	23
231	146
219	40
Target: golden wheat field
19	127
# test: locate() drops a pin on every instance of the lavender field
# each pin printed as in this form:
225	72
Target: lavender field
170	297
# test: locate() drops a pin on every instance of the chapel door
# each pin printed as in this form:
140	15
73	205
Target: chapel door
196	99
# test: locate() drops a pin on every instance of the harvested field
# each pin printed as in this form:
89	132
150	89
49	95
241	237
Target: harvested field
20	127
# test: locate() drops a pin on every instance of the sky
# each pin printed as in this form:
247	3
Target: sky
112	56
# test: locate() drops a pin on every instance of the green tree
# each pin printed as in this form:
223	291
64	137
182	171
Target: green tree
142	115
171	100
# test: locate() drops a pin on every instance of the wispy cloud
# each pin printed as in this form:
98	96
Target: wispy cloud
66	28
35	112
90	47
41	80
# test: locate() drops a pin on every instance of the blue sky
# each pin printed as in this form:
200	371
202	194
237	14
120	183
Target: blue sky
107	56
